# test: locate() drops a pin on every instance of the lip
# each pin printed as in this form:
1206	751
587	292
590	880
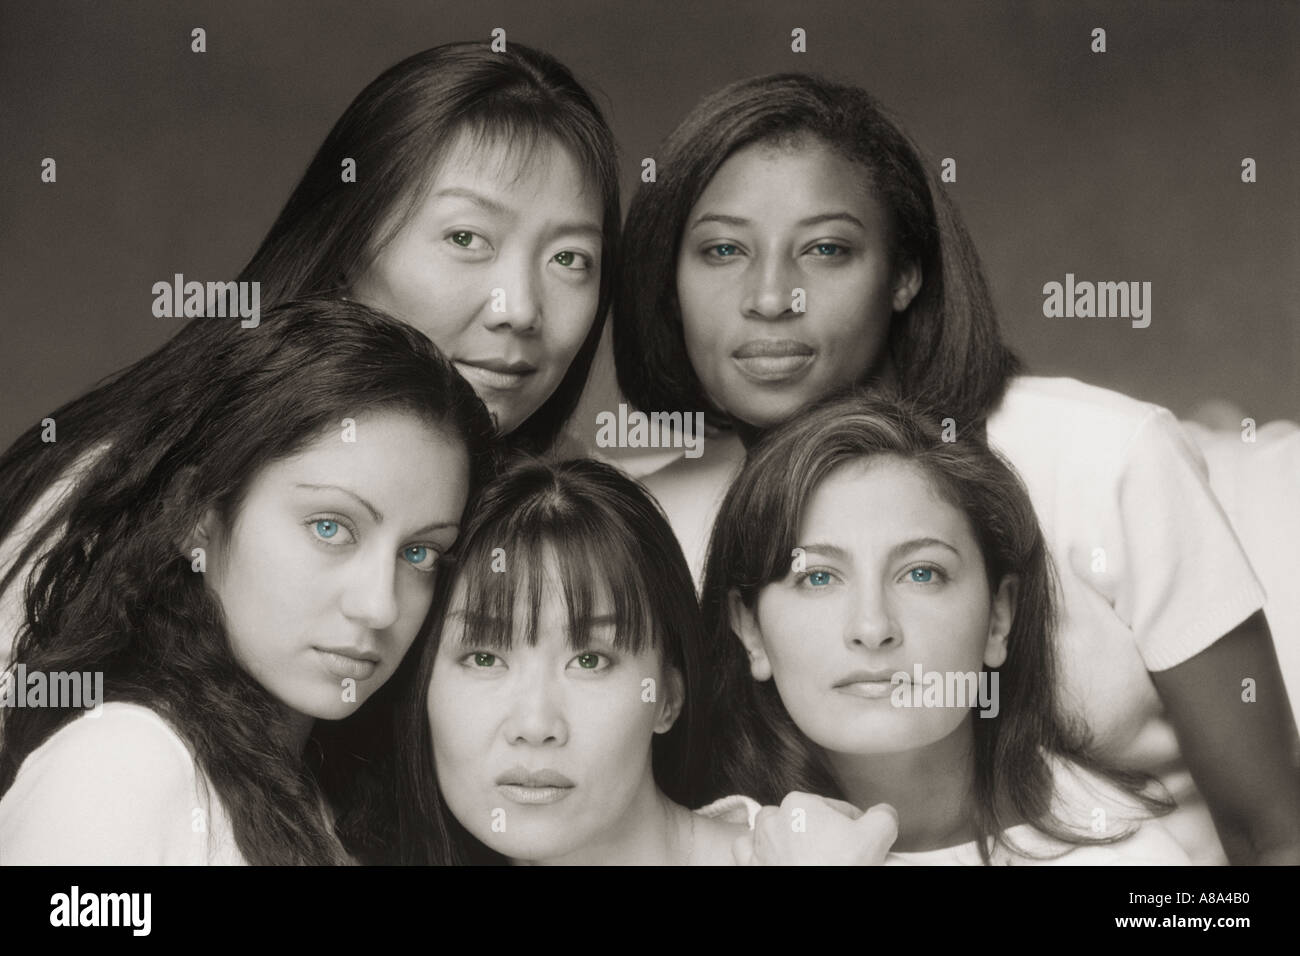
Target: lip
534	787
345	662
774	360
872	685
496	373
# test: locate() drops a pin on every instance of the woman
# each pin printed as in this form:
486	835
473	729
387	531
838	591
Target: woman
553	720
879	602
796	242
484	212
247	562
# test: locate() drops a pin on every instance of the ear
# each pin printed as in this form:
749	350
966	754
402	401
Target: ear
202	535
1001	614
671	701
907	283
745	626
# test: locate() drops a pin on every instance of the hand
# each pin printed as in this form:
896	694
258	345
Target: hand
808	830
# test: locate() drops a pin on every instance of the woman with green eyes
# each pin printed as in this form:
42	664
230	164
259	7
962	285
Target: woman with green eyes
246	566
553	716
880	611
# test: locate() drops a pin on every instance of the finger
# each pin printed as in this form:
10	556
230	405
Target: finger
844	807
742	849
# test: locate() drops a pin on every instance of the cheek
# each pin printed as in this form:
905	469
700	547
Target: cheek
437	297
268	589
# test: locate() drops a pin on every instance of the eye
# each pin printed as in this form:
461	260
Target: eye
577	261
467	240
829	250
925	574
591	661
723	250
421	557
482	660
816	579
331	531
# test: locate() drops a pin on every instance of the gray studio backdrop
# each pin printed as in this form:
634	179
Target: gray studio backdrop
1115	166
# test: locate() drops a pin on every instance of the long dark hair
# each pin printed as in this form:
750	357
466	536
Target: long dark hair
761	752
601	526
945	346
398	129
115	594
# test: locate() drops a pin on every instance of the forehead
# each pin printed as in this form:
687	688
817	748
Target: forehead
873	503
792	178
530	172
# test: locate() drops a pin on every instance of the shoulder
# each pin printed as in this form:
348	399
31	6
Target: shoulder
113	786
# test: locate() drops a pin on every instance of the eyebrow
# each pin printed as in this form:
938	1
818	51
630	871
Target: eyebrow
842	216
897	551
579	227
375	513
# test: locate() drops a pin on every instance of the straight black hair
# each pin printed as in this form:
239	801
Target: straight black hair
760	750
601	527
945	345
398	130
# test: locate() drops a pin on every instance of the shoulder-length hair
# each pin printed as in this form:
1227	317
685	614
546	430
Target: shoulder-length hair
602	528
759	749
398	130
115	593
945	346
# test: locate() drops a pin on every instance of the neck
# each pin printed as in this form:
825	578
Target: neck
931	786
652	831
298	730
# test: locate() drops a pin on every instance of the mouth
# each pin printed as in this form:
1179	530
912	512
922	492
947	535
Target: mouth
773	360
872	685
533	787
345	662
495	373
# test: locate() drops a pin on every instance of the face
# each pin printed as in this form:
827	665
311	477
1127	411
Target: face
499	266
892	578
543	751
771	222
327	571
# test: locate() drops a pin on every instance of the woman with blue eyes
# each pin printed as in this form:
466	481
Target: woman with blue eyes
247	566
856	555
796	242
484	212
553	717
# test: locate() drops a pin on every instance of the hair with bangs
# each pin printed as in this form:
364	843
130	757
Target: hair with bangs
760	750
604	535
945	346
399	129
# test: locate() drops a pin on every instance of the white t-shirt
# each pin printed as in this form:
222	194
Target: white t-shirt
119	788
1082	800
1119	488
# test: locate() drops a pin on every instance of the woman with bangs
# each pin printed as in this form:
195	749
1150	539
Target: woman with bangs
552	719
485	213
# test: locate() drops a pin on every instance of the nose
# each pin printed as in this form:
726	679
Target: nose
515	304
370	595
536	713
769	290
872	625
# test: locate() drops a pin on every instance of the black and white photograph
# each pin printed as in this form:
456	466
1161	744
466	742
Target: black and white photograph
675	434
